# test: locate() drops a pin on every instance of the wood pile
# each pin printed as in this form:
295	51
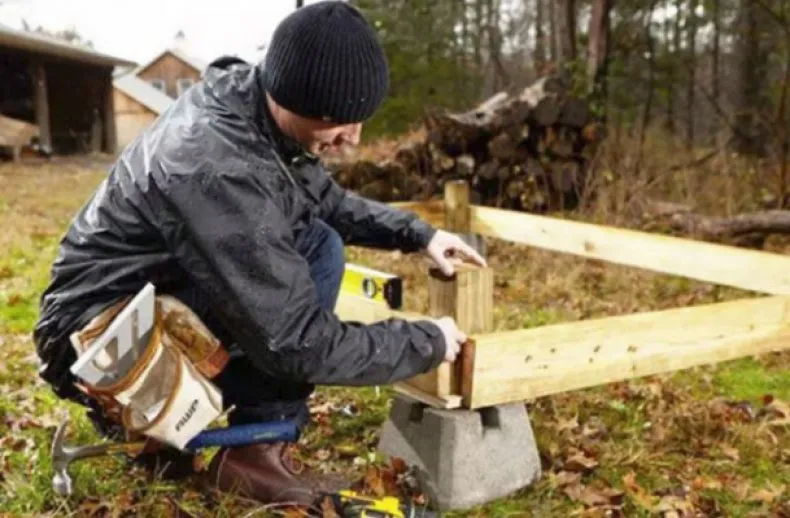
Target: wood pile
523	151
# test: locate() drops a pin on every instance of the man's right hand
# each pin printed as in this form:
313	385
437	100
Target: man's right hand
453	337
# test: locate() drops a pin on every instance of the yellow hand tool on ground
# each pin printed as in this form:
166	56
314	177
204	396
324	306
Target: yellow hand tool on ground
350	504
373	284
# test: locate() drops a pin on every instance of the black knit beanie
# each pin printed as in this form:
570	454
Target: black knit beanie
325	62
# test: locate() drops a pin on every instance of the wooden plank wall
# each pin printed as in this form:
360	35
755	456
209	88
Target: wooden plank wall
131	118
170	69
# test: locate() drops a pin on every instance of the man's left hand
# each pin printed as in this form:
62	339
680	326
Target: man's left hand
447	249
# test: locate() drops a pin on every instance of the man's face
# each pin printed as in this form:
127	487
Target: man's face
316	136
322	138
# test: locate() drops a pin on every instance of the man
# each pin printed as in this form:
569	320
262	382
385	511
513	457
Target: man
223	203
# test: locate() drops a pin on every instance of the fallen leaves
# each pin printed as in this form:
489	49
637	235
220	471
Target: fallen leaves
637	493
14	299
766	495
730	452
580	462
594	496
566	478
395	479
775	412
328	509
684	455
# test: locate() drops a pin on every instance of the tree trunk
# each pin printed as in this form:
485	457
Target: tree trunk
464	30
781	128
598	51
555	54
751	73
501	77
540	37
566	31
742	228
715	58
670	73
675	54
692	76
479	35
716	48
651	66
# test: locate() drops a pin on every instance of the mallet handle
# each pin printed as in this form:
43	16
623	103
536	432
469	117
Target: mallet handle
245	434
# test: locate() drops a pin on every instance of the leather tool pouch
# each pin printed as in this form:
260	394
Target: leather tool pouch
167	394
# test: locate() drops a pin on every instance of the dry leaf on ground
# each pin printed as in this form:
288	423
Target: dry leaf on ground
580	463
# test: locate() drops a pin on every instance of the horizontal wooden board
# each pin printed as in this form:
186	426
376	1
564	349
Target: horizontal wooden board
447	402
518	365
753	270
362	309
431	211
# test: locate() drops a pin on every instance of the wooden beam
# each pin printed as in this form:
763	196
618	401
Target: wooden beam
456	206
355	308
110	131
448	402
730	266
519	365
41	99
430	211
467	296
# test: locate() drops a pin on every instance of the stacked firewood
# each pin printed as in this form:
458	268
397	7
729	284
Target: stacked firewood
523	151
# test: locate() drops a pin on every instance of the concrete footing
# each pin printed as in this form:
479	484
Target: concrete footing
464	458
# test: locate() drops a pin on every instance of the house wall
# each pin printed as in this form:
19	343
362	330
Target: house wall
170	69
131	118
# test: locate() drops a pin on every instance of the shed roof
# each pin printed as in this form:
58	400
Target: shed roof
142	92
196	63
48	45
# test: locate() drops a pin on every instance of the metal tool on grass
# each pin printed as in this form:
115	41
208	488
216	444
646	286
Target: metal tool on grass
241	435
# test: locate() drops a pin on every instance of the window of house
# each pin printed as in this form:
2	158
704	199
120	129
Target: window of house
184	84
159	84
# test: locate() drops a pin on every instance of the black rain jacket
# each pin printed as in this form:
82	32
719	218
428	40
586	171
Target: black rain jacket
211	195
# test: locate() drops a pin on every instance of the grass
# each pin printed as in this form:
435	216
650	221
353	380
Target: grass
701	439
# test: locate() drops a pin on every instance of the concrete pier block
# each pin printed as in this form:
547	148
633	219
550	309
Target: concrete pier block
463	457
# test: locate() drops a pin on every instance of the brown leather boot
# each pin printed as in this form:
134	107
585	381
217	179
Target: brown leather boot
269	474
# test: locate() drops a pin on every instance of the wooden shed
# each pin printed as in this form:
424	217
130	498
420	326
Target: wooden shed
172	71
63	89
137	104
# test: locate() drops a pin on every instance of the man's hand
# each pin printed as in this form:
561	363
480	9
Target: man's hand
445	248
453	337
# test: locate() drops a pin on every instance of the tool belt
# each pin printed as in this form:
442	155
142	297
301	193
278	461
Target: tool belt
167	394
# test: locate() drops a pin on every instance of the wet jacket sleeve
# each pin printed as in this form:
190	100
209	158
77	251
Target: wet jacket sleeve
233	240
364	222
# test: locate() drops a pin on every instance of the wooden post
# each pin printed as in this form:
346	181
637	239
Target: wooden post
456	207
468	295
42	106
110	135
458	214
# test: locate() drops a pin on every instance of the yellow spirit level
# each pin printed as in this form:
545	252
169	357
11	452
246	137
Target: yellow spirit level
373	284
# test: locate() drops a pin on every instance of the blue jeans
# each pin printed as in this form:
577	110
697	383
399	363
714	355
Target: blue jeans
256	397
